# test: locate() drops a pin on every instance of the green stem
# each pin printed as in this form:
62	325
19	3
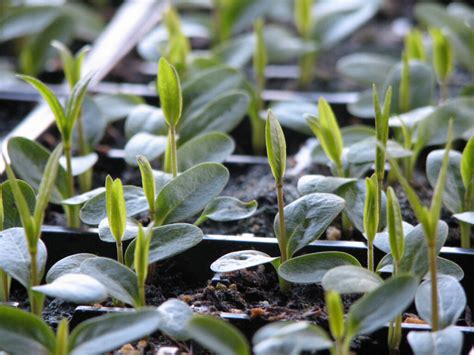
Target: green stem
434	285
307	65
173	154
141	292
370	254
72	212
36	301
284	285
258	125
444	92
85	179
200	220
465	234
341	347
5	279
119	248
346	225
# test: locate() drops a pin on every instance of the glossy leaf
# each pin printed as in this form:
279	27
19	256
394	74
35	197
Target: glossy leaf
451	300
119	280
209	147
190	192
311	268
307	218
382	305
75	288
167	241
239	260
351	279
217	335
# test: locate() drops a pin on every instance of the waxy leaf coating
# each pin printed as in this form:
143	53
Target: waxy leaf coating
351	279
239	260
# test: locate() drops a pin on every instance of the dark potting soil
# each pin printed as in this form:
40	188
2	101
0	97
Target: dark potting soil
11	113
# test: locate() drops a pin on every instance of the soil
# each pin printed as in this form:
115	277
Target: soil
11	113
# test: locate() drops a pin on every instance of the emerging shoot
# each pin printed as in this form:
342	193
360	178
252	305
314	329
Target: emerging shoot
116	212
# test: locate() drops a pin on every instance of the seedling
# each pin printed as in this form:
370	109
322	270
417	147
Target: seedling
72	66
65	120
178	46
371	217
366	315
116	212
442	60
304	24
30	235
458	195
22	331
169	90
429	219
295	226
413	44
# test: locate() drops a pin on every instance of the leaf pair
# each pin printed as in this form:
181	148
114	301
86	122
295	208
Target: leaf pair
71	63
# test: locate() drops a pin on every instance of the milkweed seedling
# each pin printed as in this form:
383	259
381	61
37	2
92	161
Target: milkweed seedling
304	25
72	65
442	60
32	223
66	118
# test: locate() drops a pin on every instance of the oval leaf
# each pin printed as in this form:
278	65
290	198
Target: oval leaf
70	264
319	183
145	118
105	234
446	341
168	241
190	192
80	164
174	316
351	279
239	260
226	208
311	268
75	288
146	144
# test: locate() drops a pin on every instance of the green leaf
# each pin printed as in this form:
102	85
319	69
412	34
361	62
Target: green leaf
106	235
115	206
51	99
82	198
447	267
226	208
119	280
351	279
335	314
467	164
307	218
442	54
451	300
190	192
239	260
382	305
311	268
46	186
167	241
109	332
80	164
276	147
148	180
169	90
93	123
288	337
11	217
396	231
75	288
371	207
260	54
327	131
174	317
74	105
467	217
217	335
15	258
94	210
381	126
366	68
366	151
145	118
67	265
415	258
209	147
413	44
24	333
291	114
221	114
453	195
319	183
446	341
146	144
29	160
354	195
116	106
